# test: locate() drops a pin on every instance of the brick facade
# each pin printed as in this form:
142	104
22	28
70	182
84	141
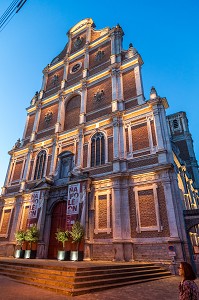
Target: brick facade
93	128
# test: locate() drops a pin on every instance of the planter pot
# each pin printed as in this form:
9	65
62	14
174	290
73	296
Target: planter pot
76	255
30	253
19	253
63	255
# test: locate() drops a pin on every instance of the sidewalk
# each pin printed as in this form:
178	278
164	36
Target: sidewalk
163	289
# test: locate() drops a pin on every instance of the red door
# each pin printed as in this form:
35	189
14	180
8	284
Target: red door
58	221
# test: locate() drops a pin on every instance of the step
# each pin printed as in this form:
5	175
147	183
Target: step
72	278
65	283
76	292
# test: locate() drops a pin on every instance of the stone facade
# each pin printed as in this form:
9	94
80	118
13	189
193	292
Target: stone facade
90	124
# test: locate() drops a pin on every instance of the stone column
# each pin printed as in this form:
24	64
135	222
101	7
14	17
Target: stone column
16	218
80	149
27	164
116	222
41	224
86	61
138	83
115	137
122	139
82	118
54	158
150	134
60	116
36	123
170	207
65	76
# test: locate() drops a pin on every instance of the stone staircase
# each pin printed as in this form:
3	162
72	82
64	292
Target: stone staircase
77	278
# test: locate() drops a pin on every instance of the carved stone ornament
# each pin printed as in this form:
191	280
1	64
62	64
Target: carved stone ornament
34	99
75	68
54	80
48	117
99	56
78	42
17	144
99	96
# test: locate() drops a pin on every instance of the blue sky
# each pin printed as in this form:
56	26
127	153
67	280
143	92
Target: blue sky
164	32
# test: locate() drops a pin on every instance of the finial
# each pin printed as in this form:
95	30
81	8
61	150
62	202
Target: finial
130	45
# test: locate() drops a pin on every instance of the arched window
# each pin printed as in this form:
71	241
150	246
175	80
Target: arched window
40	165
97	150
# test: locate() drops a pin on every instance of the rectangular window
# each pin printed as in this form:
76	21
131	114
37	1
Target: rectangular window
102	212
5	221
24	217
147	208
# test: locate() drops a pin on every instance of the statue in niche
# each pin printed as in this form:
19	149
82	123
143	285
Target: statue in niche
99	96
54	80
99	56
78	42
48	117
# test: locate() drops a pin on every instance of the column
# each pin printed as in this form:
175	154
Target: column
27	164
86	60
60	116
65	76
36	123
54	158
80	149
152	150
116	222
17	217
115	138
122	139
170	209
82	118
139	86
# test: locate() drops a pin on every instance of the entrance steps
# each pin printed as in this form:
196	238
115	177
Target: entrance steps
76	278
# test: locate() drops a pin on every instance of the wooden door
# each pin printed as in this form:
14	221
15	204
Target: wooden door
58	221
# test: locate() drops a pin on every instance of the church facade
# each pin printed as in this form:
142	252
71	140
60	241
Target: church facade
94	149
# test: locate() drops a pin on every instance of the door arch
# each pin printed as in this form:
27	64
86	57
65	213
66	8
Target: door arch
58	220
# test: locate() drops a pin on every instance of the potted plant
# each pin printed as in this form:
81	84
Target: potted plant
20	238
77	234
62	236
31	236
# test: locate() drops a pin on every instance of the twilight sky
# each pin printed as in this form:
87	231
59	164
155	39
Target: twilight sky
165	33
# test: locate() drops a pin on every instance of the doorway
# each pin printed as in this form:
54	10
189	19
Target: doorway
58	220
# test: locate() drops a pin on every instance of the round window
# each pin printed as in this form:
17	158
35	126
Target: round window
75	68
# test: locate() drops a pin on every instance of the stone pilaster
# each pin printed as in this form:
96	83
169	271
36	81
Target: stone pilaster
139	86
16	218
82	119
54	158
36	124
80	149
170	206
60	116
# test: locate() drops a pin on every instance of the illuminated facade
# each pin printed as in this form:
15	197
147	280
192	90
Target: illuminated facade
91	126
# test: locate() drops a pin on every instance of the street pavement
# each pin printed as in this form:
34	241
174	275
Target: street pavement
162	289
